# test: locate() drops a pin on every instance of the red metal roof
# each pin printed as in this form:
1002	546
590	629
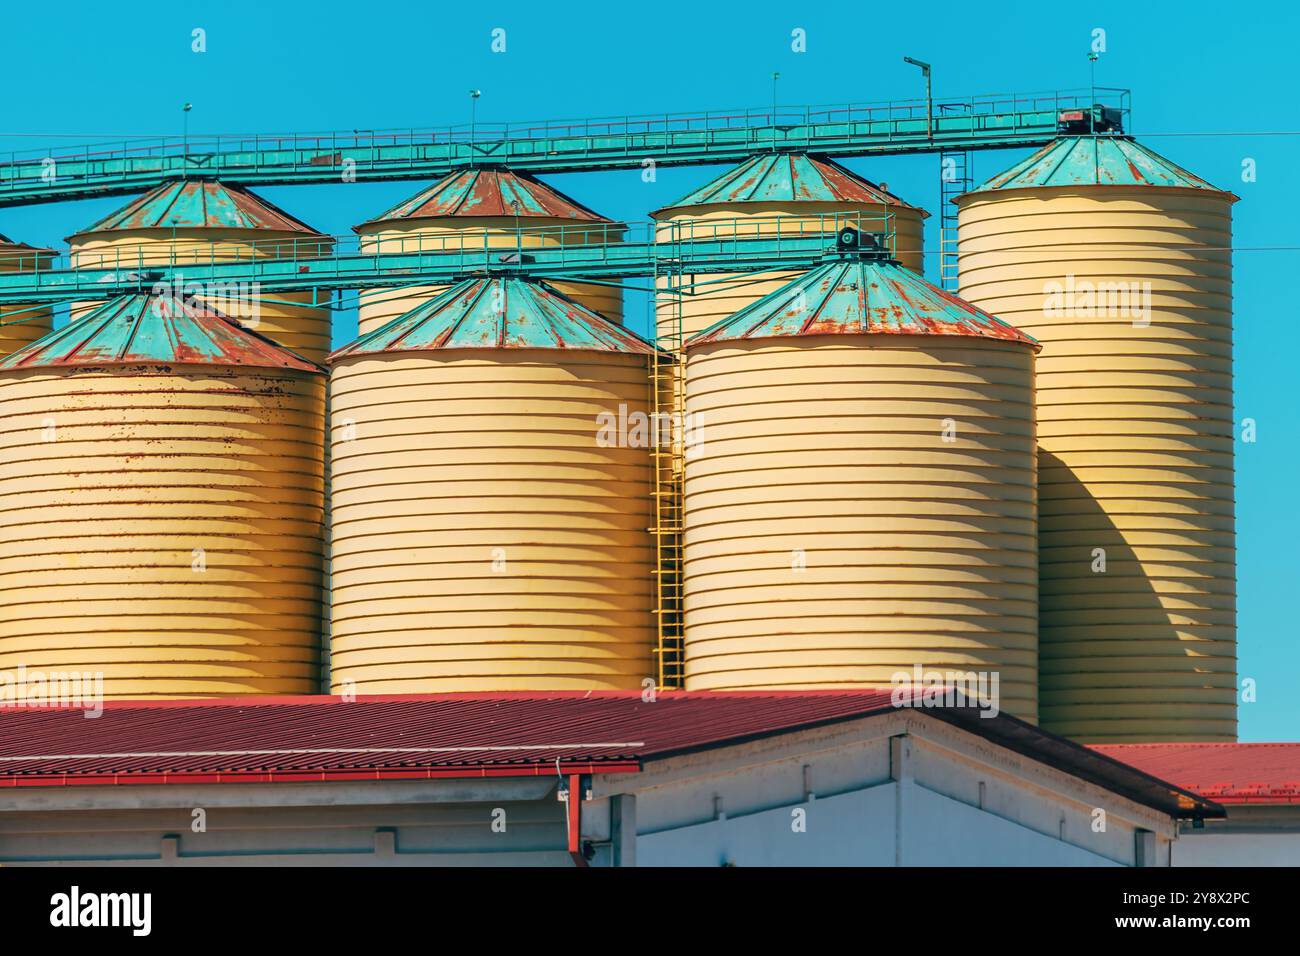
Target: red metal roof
280	739
323	737
1226	773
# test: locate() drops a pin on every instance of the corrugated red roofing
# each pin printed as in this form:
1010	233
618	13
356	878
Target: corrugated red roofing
469	734
472	735
1226	773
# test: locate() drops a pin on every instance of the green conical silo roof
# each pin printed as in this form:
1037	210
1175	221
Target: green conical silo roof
787	177
154	329
498	193
198	204
1094	161
497	313
855	296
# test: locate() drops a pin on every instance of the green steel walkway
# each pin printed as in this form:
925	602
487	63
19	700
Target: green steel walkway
970	123
688	250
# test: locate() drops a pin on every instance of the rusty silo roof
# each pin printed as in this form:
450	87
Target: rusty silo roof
787	177
8	245
497	313
198	204
1094	161
154	329
860	297
488	193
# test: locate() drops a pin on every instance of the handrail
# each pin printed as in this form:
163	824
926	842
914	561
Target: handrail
612	250
108	167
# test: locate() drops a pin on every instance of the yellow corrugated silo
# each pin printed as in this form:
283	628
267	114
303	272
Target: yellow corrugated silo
776	194
483	208
859	490
1119	262
161	505
22	323
491	506
198	222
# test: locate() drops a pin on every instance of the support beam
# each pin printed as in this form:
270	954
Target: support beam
852	129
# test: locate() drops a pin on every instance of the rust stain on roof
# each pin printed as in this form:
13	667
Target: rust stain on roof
198	204
498	313
855	296
787	177
488	193
154	329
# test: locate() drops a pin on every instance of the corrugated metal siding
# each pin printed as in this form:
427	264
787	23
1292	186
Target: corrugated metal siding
21	324
833	538
161	526
1136	436
483	537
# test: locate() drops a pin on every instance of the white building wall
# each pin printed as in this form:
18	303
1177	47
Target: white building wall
1253	835
912	792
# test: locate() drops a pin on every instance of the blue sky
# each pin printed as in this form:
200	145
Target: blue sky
1209	88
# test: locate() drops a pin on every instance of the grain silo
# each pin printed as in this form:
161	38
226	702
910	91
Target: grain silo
1119	262
483	208
489	516
860	498
775	194
199	222
161	498
22	323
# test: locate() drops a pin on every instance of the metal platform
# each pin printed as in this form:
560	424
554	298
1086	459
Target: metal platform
910	126
683	249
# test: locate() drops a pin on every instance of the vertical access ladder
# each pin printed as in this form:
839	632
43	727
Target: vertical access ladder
667	402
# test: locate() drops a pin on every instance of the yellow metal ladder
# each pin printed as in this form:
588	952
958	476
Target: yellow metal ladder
667	400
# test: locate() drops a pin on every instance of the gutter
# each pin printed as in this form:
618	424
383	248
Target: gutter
468	772
573	813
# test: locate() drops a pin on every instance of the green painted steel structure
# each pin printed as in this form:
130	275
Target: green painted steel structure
502	312
857	295
1094	161
153	330
349	268
979	122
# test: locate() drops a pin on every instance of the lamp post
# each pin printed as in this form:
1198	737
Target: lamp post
473	113
185	127
775	78
1092	92
929	100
